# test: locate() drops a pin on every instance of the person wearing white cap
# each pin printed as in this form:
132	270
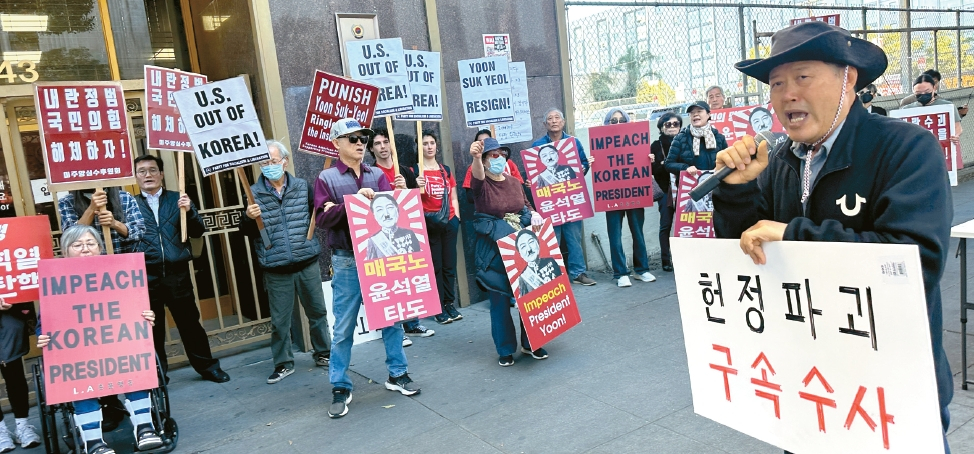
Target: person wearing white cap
351	176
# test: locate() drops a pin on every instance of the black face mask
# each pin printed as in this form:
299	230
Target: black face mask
925	98
866	97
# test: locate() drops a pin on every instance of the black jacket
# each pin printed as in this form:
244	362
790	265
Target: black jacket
491	273
162	242
660	149
681	152
896	167
15	332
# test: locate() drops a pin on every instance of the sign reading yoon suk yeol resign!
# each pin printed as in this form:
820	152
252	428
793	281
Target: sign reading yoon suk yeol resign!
382	62
825	349
485	85
223	125
91	307
622	172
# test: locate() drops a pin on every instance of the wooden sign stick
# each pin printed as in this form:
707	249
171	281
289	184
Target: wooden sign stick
392	143
106	231
422	157
242	174
314	210
181	174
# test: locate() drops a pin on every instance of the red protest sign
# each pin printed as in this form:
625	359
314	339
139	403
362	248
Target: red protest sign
84	131
165	129
540	284
91	307
693	219
392	255
23	242
558	182
939	120
735	122
831	19
622	172
334	98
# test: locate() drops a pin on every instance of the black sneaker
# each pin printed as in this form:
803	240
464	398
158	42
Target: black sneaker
453	312
443	318
98	447
340	398
403	384
147	437
668	267
279	373
505	361
537	354
420	331
322	359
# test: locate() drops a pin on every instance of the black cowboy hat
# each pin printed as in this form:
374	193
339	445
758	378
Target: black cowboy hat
819	41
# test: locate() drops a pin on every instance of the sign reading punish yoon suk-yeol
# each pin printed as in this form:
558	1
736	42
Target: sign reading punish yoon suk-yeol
334	98
382	62
485	85
222	124
424	83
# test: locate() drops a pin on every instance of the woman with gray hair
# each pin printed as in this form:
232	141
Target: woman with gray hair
84	241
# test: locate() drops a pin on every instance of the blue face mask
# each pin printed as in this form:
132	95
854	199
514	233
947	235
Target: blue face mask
273	172
497	165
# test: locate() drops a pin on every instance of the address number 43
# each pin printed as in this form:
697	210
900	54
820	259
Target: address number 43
26	67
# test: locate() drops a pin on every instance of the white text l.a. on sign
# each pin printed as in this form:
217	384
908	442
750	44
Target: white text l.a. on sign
824	349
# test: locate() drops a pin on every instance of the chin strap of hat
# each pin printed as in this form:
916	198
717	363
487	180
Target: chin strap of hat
807	173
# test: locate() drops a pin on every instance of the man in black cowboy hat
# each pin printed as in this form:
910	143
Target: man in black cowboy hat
843	175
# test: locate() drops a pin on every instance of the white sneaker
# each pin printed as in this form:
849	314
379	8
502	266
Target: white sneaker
624	281
646	277
27	435
6	444
406	341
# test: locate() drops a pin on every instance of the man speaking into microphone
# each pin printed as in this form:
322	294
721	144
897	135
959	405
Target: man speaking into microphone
843	175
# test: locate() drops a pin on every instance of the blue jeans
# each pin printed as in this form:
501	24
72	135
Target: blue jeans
570	240
347	297
502	325
640	260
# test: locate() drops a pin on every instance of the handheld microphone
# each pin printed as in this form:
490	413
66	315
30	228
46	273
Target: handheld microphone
711	183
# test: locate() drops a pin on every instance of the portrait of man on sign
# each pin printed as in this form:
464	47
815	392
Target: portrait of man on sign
760	119
392	239
554	172
539	271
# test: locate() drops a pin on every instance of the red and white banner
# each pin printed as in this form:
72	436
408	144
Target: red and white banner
392	255
558	182
540	284
800	352
91	307
622	174
693	219
165	129
939	120
334	98
735	122
23	242
831	19
84	131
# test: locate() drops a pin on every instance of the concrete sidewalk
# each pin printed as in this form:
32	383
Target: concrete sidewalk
617	383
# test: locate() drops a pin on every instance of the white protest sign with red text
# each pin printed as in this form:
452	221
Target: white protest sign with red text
939	120
735	122
23	242
622	176
558	182
693	219
392	255
166	130
84	131
334	98
540	283
824	349
91	307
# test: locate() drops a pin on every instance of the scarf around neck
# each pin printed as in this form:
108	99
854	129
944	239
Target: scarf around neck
706	134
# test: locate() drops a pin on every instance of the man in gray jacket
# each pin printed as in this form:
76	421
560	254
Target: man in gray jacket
290	266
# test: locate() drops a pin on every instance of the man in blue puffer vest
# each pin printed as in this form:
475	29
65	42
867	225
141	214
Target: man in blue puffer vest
290	266
167	264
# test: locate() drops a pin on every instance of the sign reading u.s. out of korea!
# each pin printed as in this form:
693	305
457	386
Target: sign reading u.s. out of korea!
540	284
485	85
334	98
382	62
91	307
622	176
222	124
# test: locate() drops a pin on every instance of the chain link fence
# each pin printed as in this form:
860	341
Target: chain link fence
649	57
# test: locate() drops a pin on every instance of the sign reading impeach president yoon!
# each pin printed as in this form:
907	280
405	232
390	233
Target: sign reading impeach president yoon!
91	307
222	124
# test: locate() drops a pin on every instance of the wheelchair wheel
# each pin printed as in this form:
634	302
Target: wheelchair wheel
162	416
46	414
72	434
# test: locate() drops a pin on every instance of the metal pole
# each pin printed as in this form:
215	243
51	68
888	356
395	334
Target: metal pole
743	32
754	36
865	25
963	312
959	67
936	52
